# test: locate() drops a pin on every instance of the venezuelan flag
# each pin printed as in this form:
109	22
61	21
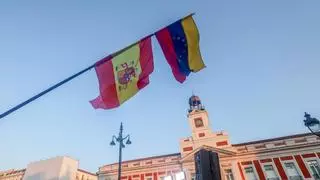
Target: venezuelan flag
180	45
122	75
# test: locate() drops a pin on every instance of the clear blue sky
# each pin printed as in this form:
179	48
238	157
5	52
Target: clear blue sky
263	71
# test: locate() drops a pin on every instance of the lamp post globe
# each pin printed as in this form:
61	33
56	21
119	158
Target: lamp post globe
112	143
313	124
128	142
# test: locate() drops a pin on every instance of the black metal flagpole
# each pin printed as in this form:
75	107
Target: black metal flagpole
68	79
44	92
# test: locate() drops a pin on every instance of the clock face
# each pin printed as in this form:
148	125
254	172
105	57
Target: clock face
198	122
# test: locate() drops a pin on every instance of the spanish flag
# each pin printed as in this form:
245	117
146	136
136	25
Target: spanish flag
123	74
180	45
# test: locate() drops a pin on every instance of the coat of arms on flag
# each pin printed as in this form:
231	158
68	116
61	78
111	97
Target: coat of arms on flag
126	72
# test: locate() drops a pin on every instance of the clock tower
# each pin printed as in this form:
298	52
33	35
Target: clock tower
198	118
201	133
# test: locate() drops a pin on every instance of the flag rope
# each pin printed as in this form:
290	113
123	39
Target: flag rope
13	109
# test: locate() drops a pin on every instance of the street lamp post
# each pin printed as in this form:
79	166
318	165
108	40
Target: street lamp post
313	124
120	140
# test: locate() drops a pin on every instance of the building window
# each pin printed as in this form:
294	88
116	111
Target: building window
228	174
187	149
292	171
222	143
270	172
315	169
180	176
198	122
202	134
250	173
166	178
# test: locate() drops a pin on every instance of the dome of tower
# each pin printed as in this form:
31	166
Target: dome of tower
194	100
195	104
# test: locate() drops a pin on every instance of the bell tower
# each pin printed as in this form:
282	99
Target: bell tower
202	135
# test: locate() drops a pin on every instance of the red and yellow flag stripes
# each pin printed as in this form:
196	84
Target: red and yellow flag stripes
122	75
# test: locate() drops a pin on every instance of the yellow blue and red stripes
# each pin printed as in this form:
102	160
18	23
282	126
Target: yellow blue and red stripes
121	76
180	45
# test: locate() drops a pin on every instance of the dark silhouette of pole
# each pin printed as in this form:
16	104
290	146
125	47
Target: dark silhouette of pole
313	124
44	92
13	109
120	152
120	140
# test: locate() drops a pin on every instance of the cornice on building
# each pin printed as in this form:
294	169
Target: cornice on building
87	172
273	139
145	159
12	172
